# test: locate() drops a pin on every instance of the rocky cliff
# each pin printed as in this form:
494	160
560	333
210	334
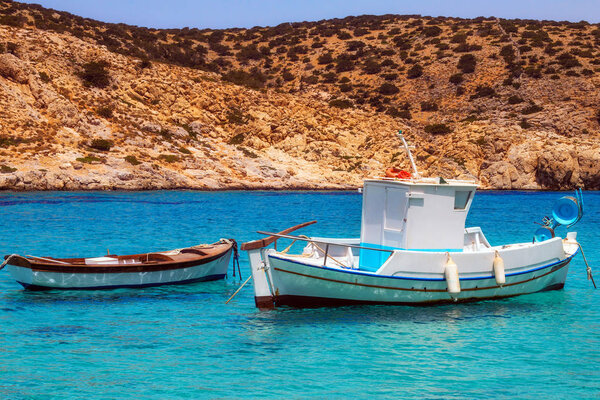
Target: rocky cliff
87	105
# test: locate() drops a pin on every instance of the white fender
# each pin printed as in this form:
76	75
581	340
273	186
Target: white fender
451	274
499	270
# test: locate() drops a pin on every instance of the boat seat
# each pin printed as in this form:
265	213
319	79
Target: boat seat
193	251
101	260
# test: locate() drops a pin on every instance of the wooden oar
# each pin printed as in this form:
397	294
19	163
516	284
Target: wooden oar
260	243
240	288
47	259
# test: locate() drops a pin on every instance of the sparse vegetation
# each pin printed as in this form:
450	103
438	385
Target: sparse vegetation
414	72
105	111
89	159
132	160
340	103
531	109
388	89
438	129
467	63
169	158
5	169
95	74
101	144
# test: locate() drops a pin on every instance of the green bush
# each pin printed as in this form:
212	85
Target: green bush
325	58
567	60
396	113
467	63
253	79
531	109
483	91
105	111
432	31
237	139
88	159
95	74
5	169
170	158
429	106
132	160
514	99
414	72
339	103
287	76
44	77
524	124
371	66
343	64
388	89
101	144
456	78
438	129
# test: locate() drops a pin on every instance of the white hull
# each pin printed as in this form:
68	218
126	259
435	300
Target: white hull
297	281
32	279
300	284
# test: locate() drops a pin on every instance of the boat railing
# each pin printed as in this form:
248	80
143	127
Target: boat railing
326	244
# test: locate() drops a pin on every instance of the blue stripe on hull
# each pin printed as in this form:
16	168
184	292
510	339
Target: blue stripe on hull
145	285
359	272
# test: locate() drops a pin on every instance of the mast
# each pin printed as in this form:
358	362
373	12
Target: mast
410	157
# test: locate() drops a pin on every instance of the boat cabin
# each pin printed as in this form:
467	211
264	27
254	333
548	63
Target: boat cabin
423	214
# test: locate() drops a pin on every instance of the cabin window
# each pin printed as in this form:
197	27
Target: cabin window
461	199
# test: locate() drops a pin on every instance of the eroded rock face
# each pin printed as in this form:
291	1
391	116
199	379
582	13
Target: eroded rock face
169	127
13	68
557	169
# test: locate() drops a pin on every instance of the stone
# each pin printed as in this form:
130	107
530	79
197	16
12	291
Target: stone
12	67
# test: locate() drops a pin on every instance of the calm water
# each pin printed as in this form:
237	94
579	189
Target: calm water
184	342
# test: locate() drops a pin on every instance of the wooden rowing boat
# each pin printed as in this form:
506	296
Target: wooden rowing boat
186	265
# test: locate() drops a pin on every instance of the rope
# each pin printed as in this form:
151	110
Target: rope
236	257
7	260
588	268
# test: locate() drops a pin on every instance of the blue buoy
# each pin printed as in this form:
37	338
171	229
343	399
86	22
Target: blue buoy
566	210
542	234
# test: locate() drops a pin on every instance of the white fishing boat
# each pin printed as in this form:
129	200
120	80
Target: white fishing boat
413	249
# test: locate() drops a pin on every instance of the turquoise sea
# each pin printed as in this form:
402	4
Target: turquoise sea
184	342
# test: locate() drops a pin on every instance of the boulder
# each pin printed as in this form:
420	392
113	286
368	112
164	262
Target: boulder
12	67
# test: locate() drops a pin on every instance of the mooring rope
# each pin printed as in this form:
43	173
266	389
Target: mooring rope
588	269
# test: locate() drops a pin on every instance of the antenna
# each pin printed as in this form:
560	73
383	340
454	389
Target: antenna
410	157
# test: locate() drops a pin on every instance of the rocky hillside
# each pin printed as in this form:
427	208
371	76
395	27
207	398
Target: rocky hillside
89	105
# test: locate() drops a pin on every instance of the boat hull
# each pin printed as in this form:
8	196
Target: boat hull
301	285
203	270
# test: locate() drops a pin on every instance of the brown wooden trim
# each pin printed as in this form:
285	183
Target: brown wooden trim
165	264
422	290
259	244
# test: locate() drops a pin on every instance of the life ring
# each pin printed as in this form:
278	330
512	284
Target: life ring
394	172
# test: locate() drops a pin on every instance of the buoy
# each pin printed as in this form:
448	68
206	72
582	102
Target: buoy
543	233
451	274
394	172
566	211
499	270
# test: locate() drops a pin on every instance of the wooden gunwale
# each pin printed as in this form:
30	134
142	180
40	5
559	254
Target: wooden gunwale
166	265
